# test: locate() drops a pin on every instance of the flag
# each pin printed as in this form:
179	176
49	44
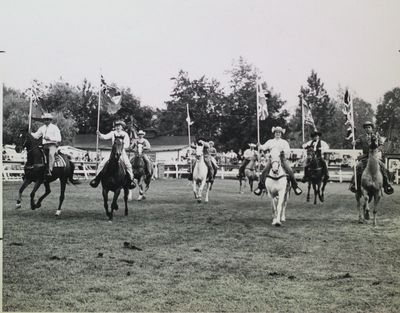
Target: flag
111	97
348	112
308	119
36	94
261	103
188	119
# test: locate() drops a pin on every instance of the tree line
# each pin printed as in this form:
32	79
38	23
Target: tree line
224	114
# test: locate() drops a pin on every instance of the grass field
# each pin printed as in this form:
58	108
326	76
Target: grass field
172	254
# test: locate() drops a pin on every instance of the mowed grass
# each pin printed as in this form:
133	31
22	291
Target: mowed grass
172	254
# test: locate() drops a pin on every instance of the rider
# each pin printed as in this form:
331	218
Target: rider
51	137
213	154
319	146
364	142
212	169
146	147
248	155
117	133
283	145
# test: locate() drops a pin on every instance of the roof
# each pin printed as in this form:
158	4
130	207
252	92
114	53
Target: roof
161	143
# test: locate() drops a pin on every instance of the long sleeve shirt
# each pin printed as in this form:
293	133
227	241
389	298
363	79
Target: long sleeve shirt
112	134
51	131
144	142
280	143
320	147
364	141
249	154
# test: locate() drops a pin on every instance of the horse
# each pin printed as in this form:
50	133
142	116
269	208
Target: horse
371	183
200	172
114	178
250	175
35	169
315	176
278	188
140	174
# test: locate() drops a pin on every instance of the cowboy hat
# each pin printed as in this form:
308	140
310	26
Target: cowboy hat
278	129
368	123
47	116
122	123
211	142
252	145
316	133
141	132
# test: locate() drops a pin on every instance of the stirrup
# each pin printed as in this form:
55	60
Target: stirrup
388	189
297	191
258	192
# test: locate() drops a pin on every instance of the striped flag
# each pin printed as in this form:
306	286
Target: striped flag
262	108
36	94
308	118
348	112
111	97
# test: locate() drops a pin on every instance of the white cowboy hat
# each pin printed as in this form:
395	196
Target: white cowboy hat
141	132
122	123
47	116
278	129
252	145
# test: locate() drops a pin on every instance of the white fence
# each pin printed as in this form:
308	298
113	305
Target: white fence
13	171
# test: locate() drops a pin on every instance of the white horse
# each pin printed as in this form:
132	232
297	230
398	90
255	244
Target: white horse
277	187
200	175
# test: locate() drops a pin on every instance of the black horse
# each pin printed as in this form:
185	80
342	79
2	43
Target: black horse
140	173
36	168
316	176
114	178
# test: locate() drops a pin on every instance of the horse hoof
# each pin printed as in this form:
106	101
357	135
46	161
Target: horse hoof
58	213
277	224
366	215
198	200
18	206
37	205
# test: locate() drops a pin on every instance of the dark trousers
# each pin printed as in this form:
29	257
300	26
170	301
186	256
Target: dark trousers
288	170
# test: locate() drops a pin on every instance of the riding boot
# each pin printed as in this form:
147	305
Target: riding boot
95	181
295	186
386	186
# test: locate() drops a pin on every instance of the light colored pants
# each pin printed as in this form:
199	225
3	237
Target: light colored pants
214	162
51	150
125	160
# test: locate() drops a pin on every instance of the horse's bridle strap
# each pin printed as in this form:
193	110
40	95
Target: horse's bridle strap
277	177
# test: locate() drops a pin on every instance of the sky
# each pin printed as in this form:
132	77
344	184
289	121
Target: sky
142	44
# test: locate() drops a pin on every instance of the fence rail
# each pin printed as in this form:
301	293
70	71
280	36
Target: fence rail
13	171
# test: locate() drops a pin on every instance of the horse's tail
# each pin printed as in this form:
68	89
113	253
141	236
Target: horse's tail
71	174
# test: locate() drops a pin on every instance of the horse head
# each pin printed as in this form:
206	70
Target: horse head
117	149
275	157
199	151
312	157
26	140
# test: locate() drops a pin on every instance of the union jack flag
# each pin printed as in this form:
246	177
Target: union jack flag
348	112
262	107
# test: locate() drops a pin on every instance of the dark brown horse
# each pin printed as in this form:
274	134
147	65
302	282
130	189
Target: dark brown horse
250	175
315	176
140	174
114	178
35	169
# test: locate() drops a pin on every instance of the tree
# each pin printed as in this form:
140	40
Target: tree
323	110
204	97
240	109
388	118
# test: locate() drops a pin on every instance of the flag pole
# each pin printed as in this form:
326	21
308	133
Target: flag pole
98	125
302	116
258	130
190	144
30	113
353	142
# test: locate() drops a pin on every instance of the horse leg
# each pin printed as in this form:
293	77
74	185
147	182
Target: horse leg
25	184
274	211
126	194
202	184
240	185
360	209
308	191
46	193
63	184
114	204
376	201
251	180
315	188
208	187
323	189
195	189
141	193
105	200
281	196
35	188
